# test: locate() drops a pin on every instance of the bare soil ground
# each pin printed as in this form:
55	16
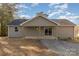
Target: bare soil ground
23	47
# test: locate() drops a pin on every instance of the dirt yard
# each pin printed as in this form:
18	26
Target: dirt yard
23	47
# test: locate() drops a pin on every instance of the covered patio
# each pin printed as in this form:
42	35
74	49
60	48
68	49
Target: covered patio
39	32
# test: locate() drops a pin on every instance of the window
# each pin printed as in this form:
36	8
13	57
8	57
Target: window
16	29
48	31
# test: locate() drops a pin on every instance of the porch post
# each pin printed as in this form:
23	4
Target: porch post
39	31
44	32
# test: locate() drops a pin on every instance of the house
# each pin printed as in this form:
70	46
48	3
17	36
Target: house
40	27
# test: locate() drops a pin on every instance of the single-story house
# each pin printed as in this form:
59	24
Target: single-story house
40	27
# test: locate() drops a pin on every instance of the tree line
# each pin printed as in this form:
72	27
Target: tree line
6	15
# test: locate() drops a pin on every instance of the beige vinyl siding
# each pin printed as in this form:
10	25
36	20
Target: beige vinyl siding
76	31
28	32
64	31
12	33
59	31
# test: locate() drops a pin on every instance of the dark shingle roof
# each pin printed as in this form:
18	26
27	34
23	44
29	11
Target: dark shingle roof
64	22
59	21
17	21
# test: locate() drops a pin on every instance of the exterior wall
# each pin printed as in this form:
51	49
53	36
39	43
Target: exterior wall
26	32
39	21
59	31
64	31
76	30
12	33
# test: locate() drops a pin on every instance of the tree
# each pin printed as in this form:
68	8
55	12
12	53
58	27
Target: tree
6	15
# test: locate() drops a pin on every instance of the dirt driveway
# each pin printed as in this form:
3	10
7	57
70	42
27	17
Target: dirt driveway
23	47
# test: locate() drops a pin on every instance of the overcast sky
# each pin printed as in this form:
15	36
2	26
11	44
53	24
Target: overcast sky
54	10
